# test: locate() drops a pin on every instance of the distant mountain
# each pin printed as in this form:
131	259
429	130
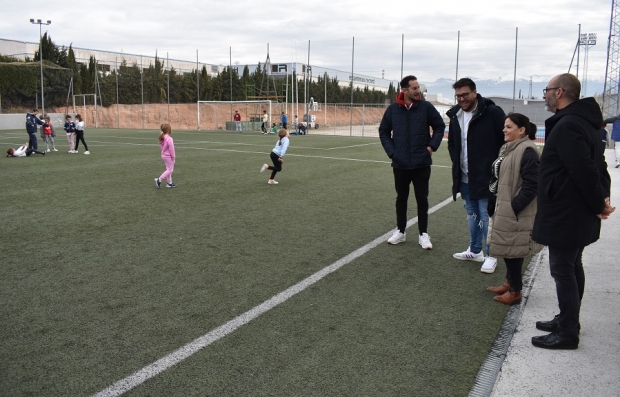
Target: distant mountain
504	87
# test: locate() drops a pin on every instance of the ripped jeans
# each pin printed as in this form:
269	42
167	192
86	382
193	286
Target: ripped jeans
477	219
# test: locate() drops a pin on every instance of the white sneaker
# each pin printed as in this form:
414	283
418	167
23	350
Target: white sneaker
272	182
469	256
489	265
86	152
263	168
425	241
397	237
55	150
48	150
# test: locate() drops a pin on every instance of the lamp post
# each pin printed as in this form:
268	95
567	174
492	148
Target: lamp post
40	23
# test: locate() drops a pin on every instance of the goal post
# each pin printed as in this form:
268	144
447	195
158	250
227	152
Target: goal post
86	100
213	115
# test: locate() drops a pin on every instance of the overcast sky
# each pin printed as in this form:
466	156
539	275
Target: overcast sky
547	33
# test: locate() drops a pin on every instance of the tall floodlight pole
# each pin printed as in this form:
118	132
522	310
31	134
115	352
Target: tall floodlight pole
611	105
578	48
586	40
40	23
514	79
458	47
352	78
402	54
168	70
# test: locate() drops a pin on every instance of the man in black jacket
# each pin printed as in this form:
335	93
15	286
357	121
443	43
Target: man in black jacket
404	134
31	128
474	139
573	197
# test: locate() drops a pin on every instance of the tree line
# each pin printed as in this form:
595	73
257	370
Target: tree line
20	83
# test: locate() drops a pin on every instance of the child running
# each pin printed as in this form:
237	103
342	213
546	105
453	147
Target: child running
79	134
70	130
48	134
276	156
167	154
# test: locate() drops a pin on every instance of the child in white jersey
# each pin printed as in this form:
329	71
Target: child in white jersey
276	155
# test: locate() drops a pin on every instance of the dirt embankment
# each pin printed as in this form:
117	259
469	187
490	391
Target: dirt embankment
215	116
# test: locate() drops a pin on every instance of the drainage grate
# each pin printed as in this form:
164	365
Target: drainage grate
485	380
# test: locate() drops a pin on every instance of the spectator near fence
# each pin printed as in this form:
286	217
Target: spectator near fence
263	126
284	120
615	136
237	118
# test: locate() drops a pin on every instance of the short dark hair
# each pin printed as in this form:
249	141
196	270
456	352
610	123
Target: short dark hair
522	120
464	82
404	83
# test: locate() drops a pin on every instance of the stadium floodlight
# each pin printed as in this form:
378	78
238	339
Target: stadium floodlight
40	23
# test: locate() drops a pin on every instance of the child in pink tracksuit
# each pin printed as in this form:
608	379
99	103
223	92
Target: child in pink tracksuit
167	154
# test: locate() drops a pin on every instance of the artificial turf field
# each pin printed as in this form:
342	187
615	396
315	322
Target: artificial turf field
103	274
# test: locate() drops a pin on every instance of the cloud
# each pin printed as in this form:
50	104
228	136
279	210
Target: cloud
547	33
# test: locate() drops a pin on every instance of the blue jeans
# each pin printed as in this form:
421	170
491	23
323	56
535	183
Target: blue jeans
477	219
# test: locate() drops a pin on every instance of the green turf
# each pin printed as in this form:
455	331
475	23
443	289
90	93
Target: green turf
103	273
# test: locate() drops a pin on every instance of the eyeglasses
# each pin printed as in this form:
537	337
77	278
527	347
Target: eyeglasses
463	96
549	89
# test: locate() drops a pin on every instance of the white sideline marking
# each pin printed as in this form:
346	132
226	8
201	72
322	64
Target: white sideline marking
251	144
159	366
262	153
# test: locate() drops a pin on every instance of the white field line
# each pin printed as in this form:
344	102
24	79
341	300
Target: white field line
250	152
164	363
255	144
262	153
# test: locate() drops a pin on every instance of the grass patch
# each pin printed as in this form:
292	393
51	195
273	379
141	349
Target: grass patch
104	273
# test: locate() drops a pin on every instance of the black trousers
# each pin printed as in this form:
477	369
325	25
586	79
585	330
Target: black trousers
79	136
277	165
402	179
567	271
513	273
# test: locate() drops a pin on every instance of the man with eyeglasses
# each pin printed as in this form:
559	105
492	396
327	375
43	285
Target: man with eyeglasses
573	198
404	134
474	139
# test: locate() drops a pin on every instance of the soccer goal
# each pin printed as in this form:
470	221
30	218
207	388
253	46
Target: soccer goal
87	100
219	115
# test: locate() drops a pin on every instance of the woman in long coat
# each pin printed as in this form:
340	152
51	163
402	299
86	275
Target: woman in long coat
514	185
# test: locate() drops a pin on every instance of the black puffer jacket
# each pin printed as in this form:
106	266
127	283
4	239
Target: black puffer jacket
407	145
484	138
573	179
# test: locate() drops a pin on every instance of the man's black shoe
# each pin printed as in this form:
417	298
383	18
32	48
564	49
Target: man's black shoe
552	325
555	341
549	326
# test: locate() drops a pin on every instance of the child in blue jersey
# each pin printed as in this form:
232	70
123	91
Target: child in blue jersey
276	155
70	130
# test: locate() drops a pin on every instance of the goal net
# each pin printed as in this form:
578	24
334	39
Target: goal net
219	115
